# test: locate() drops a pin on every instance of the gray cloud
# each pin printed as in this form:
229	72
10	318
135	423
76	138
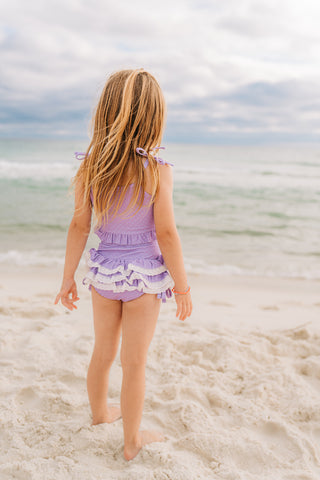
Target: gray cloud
231	71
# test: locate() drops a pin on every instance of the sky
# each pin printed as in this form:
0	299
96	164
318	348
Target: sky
232	71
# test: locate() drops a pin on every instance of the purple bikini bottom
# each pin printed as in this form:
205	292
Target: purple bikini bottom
123	296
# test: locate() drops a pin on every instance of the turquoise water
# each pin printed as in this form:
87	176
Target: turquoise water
239	210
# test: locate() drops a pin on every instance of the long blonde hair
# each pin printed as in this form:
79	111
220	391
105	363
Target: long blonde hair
130	113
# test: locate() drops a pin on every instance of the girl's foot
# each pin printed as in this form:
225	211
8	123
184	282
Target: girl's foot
146	436
113	413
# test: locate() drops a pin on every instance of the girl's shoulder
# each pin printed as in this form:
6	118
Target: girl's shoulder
166	176
165	173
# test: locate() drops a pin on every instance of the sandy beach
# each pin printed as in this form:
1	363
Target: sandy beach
236	388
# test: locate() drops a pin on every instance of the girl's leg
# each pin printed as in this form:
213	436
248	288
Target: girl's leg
139	319
107	329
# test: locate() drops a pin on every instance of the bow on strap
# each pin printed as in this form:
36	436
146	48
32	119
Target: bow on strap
80	155
163	295
144	153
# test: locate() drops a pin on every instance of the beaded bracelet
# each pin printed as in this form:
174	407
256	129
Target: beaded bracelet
181	293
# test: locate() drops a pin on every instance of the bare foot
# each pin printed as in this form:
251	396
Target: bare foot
113	413
146	436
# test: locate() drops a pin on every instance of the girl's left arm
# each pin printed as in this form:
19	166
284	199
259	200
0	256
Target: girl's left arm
78	233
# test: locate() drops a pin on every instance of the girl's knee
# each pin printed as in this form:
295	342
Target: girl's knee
132	361
103	357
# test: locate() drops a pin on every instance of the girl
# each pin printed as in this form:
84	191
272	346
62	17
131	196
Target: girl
139	258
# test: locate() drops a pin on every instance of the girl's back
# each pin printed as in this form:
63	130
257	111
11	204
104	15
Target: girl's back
133	223
128	261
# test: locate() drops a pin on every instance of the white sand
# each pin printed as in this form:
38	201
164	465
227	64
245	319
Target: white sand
236	388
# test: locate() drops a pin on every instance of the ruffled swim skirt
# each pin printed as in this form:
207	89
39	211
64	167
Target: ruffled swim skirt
135	269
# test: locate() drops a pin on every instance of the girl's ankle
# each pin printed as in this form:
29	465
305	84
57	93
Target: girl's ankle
134	442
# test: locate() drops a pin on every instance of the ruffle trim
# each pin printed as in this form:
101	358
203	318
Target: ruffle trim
126	238
144	266
145	275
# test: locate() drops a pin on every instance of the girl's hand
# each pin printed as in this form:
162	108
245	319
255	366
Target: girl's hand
184	306
68	287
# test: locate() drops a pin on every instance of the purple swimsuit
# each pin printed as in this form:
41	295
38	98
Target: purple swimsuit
128	261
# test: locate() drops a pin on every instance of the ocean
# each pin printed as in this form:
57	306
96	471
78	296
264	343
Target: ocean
240	210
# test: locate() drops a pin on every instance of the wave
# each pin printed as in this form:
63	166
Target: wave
37	170
55	258
32	258
190	176
234	270
19	227
45	170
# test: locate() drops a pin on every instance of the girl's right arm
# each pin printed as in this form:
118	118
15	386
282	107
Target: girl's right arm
76	241
169	241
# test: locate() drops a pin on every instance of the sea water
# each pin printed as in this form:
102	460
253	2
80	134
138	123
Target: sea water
240	210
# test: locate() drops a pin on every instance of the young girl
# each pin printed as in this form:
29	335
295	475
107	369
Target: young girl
139	258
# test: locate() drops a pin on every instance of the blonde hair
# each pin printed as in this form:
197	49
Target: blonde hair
130	113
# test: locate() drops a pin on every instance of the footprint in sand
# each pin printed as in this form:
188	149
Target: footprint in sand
300	334
71	379
28	397
221	304
44	294
278	438
17	299
5	311
270	307
40	312
316	433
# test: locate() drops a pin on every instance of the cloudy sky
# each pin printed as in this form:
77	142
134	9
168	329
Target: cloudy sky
233	71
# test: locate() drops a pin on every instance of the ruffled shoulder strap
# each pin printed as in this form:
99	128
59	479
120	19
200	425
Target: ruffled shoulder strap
144	153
